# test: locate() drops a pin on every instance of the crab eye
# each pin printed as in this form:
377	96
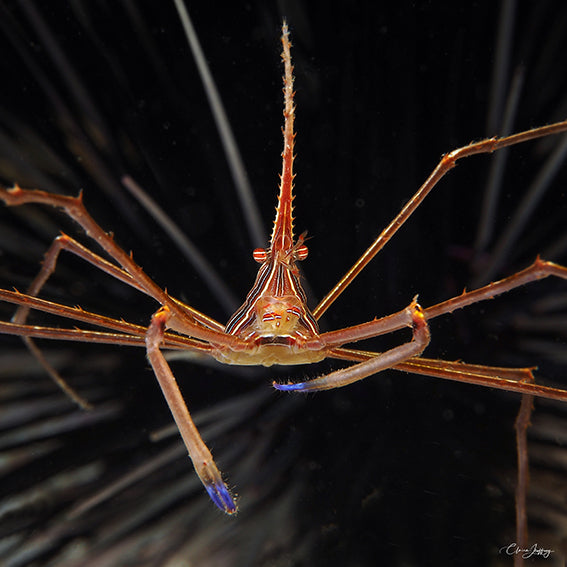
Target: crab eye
260	255
301	252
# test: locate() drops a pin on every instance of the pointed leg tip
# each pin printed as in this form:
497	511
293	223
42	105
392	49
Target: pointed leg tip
222	498
290	387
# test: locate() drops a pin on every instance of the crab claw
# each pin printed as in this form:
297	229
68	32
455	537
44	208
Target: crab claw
222	498
290	387
218	492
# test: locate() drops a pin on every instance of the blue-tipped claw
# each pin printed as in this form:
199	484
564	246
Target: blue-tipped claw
298	386
220	495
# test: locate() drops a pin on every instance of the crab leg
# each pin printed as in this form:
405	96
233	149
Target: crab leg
203	462
381	361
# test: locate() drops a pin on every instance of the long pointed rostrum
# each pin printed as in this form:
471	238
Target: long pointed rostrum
275	310
282	234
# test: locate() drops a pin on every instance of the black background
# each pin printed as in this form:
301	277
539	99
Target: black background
396	470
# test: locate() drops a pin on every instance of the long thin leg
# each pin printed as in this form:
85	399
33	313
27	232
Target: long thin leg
522	424
200	455
183	317
448	161
520	380
52	372
63	242
538	270
381	361
127	334
368	330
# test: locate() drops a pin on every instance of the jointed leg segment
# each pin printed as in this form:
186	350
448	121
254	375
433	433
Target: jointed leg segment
375	364
200	455
183	317
64	242
447	162
510	379
538	270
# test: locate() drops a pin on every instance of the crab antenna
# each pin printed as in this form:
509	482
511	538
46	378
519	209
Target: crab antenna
282	235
